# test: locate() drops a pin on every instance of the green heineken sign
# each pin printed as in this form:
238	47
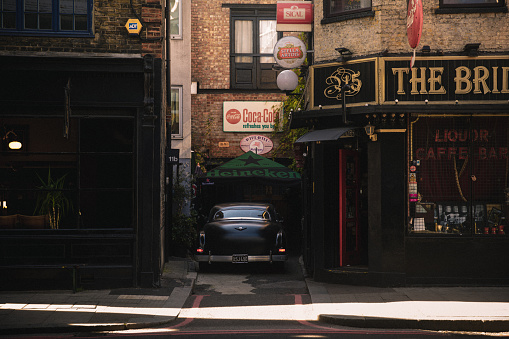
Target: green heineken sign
250	165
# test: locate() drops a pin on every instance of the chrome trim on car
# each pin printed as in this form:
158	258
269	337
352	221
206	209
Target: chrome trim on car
251	258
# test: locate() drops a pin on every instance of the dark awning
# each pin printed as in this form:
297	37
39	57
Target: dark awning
330	134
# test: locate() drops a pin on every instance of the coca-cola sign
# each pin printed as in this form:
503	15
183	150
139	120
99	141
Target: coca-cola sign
294	16
249	116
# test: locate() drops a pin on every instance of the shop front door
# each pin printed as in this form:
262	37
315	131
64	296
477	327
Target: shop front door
349	237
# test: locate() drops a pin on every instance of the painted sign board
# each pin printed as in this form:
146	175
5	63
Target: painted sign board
294	16
249	116
258	144
133	26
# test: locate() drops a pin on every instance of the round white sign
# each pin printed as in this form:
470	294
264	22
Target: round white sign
257	144
290	52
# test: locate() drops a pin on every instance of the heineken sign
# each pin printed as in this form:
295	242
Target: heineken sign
251	165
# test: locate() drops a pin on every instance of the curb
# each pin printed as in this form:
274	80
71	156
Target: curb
489	325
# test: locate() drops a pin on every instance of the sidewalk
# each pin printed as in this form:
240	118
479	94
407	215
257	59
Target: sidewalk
477	309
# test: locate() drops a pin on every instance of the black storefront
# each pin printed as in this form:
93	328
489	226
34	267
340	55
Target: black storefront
411	186
81	197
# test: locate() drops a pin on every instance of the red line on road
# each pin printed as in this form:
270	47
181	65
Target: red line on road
196	304
298	301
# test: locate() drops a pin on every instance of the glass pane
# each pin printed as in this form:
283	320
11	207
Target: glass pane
268	39
470	2
31	21
338	6
243	40
81	23
66	6
66	22
9	5
9	20
31	5
106	209
175	111
44	21
107	135
80	6
45	6
174	17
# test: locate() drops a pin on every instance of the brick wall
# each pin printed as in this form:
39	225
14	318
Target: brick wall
387	30
210	50
207	127
110	34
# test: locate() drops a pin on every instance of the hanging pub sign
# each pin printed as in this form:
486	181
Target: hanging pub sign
294	16
258	144
447	78
290	52
249	116
329	79
414	21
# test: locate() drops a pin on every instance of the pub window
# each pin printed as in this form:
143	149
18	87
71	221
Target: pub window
253	39
459	175
68	17
342	7
176	112
175	19
90	175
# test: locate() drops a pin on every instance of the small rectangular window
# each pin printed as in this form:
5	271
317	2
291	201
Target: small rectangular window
176	112
340	7
175	19
471	3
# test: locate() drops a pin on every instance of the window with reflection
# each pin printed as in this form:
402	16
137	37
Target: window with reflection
341	7
84	181
46	16
175	19
471	3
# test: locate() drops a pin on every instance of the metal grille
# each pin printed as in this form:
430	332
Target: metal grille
461	166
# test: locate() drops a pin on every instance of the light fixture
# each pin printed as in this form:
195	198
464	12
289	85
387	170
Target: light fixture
345	54
472	49
13	140
370	131
287	80
426	50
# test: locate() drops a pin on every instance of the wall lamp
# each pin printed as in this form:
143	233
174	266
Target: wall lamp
472	49
345	54
13	140
370	131
426	50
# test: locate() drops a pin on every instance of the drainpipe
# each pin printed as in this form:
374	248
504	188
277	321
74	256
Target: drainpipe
169	167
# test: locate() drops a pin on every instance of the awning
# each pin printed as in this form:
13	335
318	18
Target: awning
330	134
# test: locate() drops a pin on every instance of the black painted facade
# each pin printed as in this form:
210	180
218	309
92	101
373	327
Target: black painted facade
94	121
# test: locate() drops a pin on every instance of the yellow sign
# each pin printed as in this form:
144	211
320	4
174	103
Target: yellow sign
133	26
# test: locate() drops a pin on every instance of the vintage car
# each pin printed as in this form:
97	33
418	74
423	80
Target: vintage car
242	233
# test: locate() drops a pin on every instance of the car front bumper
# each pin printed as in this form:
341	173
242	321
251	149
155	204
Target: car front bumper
251	258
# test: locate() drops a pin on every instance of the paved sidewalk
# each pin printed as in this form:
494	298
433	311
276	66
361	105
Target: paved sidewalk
478	309
118	309
475	309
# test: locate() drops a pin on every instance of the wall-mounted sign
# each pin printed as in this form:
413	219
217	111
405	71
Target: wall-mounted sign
133	26
224	144
329	79
290	52
249	116
447	78
172	156
257	144
294	16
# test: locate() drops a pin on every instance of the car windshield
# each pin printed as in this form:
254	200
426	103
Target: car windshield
257	214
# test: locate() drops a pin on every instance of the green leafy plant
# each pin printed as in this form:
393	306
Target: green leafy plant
51	200
183	231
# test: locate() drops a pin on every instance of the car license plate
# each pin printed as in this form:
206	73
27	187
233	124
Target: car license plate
239	258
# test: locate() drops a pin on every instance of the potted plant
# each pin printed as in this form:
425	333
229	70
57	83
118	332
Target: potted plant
51	200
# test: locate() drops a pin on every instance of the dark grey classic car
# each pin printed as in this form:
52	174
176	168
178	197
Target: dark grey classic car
242	233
